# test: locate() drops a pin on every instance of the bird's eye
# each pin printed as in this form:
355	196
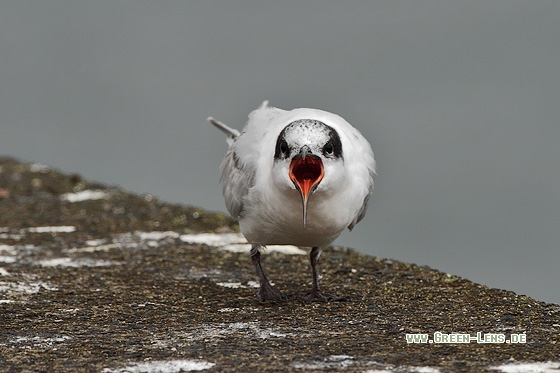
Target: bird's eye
328	149
284	149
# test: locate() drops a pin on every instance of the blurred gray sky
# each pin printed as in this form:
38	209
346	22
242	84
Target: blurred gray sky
460	100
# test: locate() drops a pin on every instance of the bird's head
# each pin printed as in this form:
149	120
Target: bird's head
308	154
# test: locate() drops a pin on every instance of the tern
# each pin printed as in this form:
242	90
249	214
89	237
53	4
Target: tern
297	177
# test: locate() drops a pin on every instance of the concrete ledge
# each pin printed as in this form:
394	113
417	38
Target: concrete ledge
93	278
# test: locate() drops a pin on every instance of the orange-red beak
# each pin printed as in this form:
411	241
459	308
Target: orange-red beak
306	172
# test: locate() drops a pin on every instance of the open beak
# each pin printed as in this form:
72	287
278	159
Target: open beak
306	172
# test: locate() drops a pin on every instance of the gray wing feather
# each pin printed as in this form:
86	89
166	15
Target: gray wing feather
236	180
363	210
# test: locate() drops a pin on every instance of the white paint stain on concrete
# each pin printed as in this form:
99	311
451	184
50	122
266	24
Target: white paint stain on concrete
96	248
213	239
224	330
56	229
79	262
246	248
7	259
235	242
85	195
11	254
237	285
237	248
331	362
542	367
140	239
156	236
6	236
38	341
8	254
381	368
7	249
97	242
24	287
423	370
163	366
231	285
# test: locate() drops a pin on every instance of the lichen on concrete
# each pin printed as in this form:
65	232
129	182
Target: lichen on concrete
120	291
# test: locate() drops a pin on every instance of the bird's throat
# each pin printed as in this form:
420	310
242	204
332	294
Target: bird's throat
306	174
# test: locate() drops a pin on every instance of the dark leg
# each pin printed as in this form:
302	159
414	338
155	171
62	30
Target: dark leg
315	294
266	291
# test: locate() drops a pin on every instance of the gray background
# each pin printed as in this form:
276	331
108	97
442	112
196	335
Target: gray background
460	100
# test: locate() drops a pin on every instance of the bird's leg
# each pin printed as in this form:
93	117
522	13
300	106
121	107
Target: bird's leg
315	294
266	291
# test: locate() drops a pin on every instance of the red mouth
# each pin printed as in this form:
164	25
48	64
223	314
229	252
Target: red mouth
306	174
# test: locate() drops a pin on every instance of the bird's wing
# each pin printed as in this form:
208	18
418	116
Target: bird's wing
363	209
237	179
240	165
363	171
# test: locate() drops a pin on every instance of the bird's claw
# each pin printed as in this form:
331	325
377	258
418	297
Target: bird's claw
317	296
268	292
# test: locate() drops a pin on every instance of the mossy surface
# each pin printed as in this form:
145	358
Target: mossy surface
116	298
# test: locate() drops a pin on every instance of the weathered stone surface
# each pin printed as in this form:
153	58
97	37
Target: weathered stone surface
93	278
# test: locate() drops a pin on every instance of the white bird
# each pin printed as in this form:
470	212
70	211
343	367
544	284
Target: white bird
276	164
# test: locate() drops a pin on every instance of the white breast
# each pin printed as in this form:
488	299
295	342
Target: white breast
274	217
